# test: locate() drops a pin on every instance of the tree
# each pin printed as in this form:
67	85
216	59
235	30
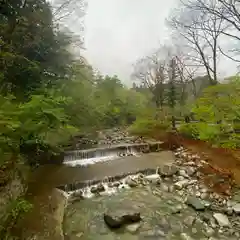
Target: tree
218	113
201	32
33	52
226	11
151	72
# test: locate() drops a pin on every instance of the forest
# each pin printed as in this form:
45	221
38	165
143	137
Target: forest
49	94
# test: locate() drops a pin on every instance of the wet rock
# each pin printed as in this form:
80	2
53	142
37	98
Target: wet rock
180	178
154	234
209	232
198	194
79	235
176	209
184	236
195	203
154	178
194	230
164	187
188	221
204	196
228	211
190	171
114	184
171	188
76	196
181	184
183	173
168	170
221	219
132	228
131	182
236	208
120	219
98	188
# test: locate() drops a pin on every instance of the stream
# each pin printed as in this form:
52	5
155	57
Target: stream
124	175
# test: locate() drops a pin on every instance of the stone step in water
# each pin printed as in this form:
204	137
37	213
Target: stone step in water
113	170
110	152
82	184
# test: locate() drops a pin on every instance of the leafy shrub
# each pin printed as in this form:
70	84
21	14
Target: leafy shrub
189	130
33	127
232	141
147	126
16	209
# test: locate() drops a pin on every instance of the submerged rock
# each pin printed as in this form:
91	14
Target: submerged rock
118	220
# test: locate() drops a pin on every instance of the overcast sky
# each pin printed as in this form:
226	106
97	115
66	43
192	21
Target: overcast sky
118	32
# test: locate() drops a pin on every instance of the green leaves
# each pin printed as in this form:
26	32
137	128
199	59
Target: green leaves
218	110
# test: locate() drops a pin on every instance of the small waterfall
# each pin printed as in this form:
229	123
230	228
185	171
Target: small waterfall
92	156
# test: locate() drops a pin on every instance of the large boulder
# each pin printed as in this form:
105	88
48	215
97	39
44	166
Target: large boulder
120	219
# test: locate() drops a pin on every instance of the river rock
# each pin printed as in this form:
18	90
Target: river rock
132	228
181	184
76	196
168	170
117	220
114	184
131	182
184	236
190	170
164	187
189	221
154	178
183	173
236	208
195	203
97	189
221	219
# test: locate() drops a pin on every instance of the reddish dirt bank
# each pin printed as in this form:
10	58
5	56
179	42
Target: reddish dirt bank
224	165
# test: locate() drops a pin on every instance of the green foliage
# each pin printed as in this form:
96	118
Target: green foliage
16	209
147	127
189	130
33	52
218	110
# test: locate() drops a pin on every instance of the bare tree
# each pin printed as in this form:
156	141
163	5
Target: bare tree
200	32
151	71
226	11
167	77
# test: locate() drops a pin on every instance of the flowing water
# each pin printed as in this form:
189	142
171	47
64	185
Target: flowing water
160	220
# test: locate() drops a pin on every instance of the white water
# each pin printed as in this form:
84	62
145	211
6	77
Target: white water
90	161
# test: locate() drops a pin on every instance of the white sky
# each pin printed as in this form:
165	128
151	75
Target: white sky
118	32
